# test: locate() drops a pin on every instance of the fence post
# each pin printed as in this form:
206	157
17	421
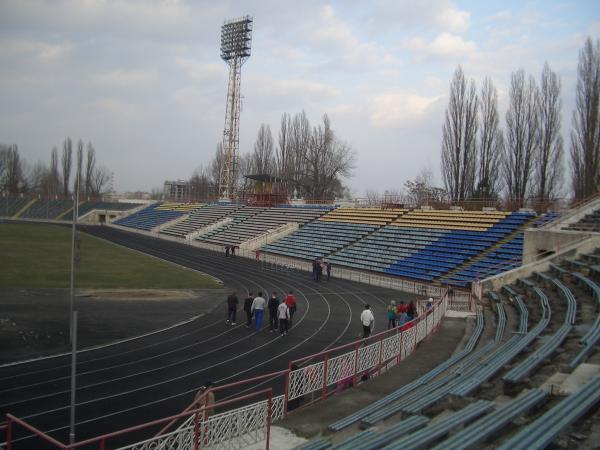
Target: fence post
401	346
286	390
8	432
355	364
196	430
269	417
379	357
325	367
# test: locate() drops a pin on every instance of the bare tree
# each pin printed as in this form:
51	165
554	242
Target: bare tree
14	180
246	168
521	136
4	155
67	160
39	178
491	144
216	165
548	164
100	180
200	185
300	133
53	175
90	167
585	134
78	181
373	197
263	160
284	154
421	191
326	161
459	156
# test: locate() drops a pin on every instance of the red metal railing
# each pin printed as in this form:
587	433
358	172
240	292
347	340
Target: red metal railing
100	442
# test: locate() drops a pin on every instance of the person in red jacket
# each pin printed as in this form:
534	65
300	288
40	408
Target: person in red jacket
290	301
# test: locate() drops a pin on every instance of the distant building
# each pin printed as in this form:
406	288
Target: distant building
177	191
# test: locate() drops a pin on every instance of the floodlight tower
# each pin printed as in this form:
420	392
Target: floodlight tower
236	40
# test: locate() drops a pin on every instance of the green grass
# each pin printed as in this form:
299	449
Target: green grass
38	256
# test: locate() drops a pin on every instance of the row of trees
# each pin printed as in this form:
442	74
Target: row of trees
18	177
480	160
310	160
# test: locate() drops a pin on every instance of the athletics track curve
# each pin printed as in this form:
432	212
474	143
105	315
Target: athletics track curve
157	375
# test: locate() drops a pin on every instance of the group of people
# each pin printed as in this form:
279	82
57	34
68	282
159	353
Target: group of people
398	315
320	266
230	250
281	312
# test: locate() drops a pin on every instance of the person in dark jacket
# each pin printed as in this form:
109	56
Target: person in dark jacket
412	311
273	305
232	304
248	309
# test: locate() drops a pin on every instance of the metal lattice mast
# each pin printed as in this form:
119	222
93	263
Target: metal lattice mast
236	40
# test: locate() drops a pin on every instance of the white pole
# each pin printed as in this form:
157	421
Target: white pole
73	375
73	231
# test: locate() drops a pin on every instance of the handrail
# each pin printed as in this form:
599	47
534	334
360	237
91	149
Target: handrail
9	421
165	419
103	438
226	386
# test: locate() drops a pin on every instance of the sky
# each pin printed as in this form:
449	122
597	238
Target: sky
144	82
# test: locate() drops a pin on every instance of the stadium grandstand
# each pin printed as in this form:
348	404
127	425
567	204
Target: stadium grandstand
524	372
56	209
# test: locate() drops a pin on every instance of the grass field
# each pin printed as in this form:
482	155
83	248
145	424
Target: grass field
38	256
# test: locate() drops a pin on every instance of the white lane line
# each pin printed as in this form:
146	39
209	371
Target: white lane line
148	371
193	390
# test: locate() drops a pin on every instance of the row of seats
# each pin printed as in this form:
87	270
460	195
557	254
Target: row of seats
319	238
591	222
183	207
451	220
9	206
259	223
416	252
55	209
369	216
483	420
149	217
201	218
47	209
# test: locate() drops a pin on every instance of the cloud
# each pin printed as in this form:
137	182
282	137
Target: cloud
440	15
121	110
444	45
399	108
267	88
199	71
128	17
452	19
126	78
41	51
336	40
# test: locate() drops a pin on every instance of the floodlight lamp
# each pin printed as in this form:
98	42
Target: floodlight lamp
236	39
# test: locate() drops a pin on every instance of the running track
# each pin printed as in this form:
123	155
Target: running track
156	376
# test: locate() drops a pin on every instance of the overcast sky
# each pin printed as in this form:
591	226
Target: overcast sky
143	80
